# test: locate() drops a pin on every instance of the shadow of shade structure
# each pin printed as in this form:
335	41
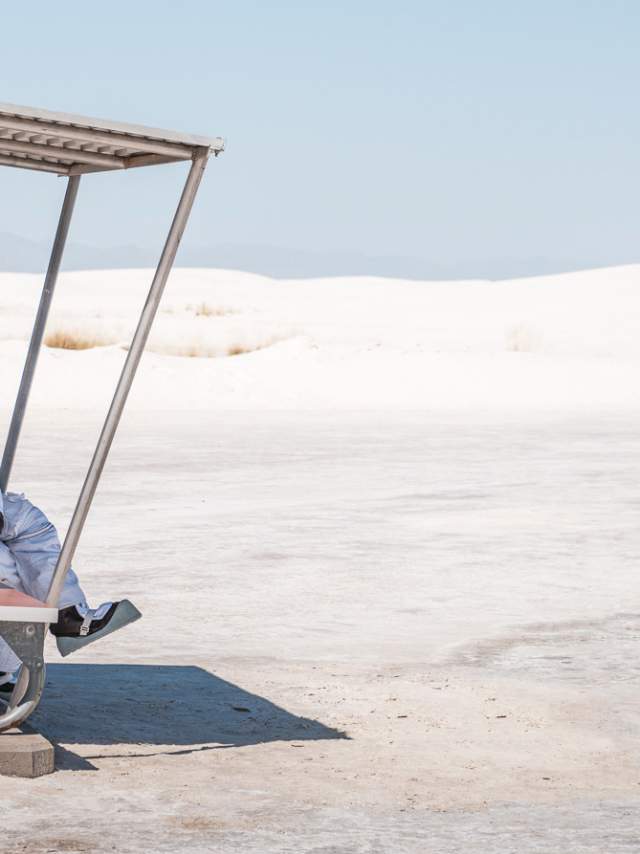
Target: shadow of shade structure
72	146
148	709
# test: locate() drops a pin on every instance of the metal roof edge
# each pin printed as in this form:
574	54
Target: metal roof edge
215	144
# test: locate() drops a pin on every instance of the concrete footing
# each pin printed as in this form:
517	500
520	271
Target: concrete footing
25	753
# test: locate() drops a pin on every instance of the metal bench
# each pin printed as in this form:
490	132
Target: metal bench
23	625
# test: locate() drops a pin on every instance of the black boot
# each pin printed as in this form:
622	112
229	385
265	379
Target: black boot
79	626
6	685
72	624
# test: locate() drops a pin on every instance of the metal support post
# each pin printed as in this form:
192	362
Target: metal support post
128	372
38	331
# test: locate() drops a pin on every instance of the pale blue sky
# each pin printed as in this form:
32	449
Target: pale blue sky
463	134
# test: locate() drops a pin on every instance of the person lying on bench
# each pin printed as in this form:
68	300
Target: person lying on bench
29	549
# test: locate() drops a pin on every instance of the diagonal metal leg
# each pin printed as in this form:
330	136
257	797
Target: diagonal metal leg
27	641
128	373
38	331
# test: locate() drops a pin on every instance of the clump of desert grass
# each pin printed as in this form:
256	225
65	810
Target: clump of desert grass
76	339
205	350
206	310
201	309
242	350
185	334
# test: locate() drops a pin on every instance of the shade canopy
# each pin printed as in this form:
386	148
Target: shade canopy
66	144
70	145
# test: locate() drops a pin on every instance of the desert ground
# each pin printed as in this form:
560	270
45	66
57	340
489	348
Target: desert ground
402	618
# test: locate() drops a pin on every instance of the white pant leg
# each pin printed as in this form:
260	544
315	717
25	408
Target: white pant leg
29	549
34	545
9	569
9	661
9	577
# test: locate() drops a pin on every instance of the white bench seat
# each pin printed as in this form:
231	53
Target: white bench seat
16	607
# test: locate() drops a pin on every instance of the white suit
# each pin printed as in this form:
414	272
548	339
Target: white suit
29	549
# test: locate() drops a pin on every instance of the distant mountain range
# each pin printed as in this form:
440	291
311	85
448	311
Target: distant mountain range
21	255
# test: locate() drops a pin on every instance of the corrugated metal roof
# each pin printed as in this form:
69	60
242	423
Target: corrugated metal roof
66	144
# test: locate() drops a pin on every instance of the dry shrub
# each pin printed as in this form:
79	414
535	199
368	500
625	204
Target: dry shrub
73	339
200	350
205	310
240	350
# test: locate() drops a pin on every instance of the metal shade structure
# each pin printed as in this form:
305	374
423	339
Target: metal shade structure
66	144
71	146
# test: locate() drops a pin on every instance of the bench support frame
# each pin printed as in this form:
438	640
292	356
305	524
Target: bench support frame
27	641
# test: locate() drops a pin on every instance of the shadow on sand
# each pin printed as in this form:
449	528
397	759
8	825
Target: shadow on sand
183	707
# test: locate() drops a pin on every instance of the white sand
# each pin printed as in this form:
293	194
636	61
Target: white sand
392	526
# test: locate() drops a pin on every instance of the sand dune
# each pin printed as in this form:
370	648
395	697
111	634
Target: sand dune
233	340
